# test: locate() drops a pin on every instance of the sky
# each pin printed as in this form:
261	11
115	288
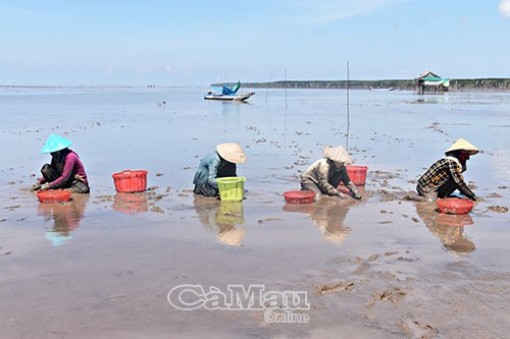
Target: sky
195	43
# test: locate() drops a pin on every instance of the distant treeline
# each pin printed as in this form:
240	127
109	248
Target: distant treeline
455	84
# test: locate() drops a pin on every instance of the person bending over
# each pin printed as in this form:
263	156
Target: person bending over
324	175
445	175
219	164
65	170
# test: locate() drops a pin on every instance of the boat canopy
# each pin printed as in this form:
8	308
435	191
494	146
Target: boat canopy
225	90
231	91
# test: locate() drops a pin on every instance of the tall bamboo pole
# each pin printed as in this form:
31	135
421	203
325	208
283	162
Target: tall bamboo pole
348	112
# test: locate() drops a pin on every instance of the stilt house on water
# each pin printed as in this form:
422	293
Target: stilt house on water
431	82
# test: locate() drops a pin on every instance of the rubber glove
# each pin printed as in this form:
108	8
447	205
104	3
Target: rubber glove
45	186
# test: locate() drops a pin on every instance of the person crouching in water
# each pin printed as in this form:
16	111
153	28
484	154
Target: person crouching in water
65	170
445	175
219	164
324	175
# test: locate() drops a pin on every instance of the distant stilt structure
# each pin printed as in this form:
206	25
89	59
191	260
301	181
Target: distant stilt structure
431	82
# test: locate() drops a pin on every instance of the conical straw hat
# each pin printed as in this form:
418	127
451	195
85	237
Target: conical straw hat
337	154
232	152
463	145
55	143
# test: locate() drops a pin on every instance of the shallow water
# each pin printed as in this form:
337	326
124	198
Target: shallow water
103	264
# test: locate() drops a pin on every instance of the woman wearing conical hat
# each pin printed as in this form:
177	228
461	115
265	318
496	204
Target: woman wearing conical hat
219	164
445	175
324	175
65	170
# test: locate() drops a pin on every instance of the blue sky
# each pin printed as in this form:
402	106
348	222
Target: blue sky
166	42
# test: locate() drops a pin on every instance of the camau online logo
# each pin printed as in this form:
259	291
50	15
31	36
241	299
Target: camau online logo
278	306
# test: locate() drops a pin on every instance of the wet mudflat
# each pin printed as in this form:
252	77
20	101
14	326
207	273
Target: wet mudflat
386	266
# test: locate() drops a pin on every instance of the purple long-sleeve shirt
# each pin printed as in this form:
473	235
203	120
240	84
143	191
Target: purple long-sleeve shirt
72	166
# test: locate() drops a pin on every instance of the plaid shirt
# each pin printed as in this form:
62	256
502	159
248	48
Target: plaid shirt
447	168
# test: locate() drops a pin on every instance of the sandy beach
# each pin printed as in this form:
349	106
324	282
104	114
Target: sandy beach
103	265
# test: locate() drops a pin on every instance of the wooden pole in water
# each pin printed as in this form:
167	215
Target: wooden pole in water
285	77
286	109
267	88
348	113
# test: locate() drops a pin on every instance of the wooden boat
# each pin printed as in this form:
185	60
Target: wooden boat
228	97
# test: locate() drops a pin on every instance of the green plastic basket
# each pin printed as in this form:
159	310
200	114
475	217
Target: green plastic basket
231	188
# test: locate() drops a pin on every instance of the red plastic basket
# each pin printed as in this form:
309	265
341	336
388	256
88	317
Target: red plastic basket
455	205
52	196
358	174
459	220
130	181
131	203
299	197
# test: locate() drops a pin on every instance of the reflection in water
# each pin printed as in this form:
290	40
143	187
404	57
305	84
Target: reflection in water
131	203
328	215
221	217
432	99
66	217
449	228
231	107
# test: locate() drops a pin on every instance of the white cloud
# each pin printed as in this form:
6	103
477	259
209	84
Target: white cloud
504	8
